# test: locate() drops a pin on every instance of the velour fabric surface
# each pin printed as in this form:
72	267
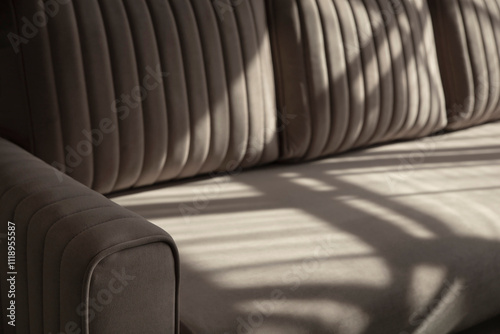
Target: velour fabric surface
14	114
401	238
129	93
488	327
353	73
468	40
124	316
68	241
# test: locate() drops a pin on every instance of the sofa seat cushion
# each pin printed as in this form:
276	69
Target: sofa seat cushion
403	238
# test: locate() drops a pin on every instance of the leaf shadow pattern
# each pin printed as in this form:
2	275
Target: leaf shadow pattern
271	220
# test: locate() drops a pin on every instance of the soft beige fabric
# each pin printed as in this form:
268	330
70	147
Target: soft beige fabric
398	239
351	73
468	40
67	240
129	93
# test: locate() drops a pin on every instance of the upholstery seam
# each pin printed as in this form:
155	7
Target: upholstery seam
311	103
358	143
15	11
409	50
160	64
39	191
397	134
69	242
56	92
489	104
29	225
227	83
244	74
137	72
419	60
331	96
206	88
471	120
278	78
86	92
112	183
113	84
434	111
262	77
25	181
376	136
186	93
497	39
188	81
343	142
161	239
390	131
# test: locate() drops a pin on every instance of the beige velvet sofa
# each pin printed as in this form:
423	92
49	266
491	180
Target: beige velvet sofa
324	166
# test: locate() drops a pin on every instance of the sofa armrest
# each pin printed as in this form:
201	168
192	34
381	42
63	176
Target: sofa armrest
72	261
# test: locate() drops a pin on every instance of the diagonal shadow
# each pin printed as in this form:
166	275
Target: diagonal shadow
401	254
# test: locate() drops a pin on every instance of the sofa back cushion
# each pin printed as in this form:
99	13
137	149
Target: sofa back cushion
14	113
126	93
352	73
468	44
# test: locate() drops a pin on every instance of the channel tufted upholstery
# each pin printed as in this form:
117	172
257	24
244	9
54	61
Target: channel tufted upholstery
69	240
127	93
121	94
468	43
354	73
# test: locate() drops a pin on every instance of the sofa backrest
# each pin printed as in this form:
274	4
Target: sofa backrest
468	43
125	93
352	73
